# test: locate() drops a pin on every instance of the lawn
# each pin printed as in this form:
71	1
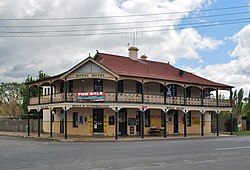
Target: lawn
242	133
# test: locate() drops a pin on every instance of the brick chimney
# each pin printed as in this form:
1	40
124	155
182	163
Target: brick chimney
133	53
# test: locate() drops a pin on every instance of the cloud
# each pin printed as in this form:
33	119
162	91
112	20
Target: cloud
236	72
20	56
242	38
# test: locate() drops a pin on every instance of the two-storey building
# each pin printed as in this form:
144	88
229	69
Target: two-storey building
115	95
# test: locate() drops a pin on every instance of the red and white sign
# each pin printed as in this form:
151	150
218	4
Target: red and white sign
90	96
90	93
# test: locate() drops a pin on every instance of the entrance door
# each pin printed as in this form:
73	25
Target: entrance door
138	122
98	120
176	130
123	122
61	122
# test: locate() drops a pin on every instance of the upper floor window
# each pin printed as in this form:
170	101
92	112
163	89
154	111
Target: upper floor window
138	87
70	86
162	88
120	86
98	85
61	87
188	92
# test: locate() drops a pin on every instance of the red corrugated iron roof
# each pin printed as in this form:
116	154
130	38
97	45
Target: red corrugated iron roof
150	69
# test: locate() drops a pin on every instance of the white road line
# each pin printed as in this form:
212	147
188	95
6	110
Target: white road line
233	148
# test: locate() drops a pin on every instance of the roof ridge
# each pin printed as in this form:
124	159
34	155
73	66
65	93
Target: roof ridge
154	61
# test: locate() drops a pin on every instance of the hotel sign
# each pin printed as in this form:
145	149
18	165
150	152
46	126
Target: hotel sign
90	96
90	75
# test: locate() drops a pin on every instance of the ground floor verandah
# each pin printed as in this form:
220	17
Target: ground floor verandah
127	121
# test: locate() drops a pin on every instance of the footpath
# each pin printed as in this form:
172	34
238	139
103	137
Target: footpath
100	138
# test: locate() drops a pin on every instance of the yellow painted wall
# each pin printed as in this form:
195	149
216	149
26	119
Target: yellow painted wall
86	128
109	130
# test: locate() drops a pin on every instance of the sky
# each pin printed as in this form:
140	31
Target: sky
55	35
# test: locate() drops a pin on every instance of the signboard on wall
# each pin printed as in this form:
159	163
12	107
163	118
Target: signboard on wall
90	96
91	75
170	90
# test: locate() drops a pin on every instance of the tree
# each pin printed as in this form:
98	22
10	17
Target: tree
10	99
238	107
24	89
246	106
14	97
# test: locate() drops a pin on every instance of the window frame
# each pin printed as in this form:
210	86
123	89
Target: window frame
138	87
70	86
75	119
147	118
98	85
120	86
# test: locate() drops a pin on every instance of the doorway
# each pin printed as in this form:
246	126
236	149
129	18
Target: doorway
98	120
61	122
123	122
138	122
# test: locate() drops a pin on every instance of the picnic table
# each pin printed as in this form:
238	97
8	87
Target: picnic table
155	131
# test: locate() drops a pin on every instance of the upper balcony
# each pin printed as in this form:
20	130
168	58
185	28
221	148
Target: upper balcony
130	91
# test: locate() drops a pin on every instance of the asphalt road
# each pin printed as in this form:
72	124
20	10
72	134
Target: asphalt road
217	153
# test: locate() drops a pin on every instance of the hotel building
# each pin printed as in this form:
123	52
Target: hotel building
114	95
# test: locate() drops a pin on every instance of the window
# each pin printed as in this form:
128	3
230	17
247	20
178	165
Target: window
75	119
61	87
147	118
98	85
138	87
70	86
189	118
161	88
174	90
188	92
120	86
111	120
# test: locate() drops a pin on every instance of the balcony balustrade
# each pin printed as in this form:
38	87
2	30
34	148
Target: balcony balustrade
175	100
211	102
33	100
134	98
156	99
193	101
224	102
129	97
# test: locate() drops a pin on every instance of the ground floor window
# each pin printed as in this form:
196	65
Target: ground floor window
147	118
75	119
111	120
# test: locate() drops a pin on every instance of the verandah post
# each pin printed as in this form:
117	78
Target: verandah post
185	123
202	123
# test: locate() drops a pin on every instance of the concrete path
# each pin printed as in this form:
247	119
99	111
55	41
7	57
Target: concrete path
76	138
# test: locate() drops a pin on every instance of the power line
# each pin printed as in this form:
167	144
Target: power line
118	33
126	28
133	15
121	23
